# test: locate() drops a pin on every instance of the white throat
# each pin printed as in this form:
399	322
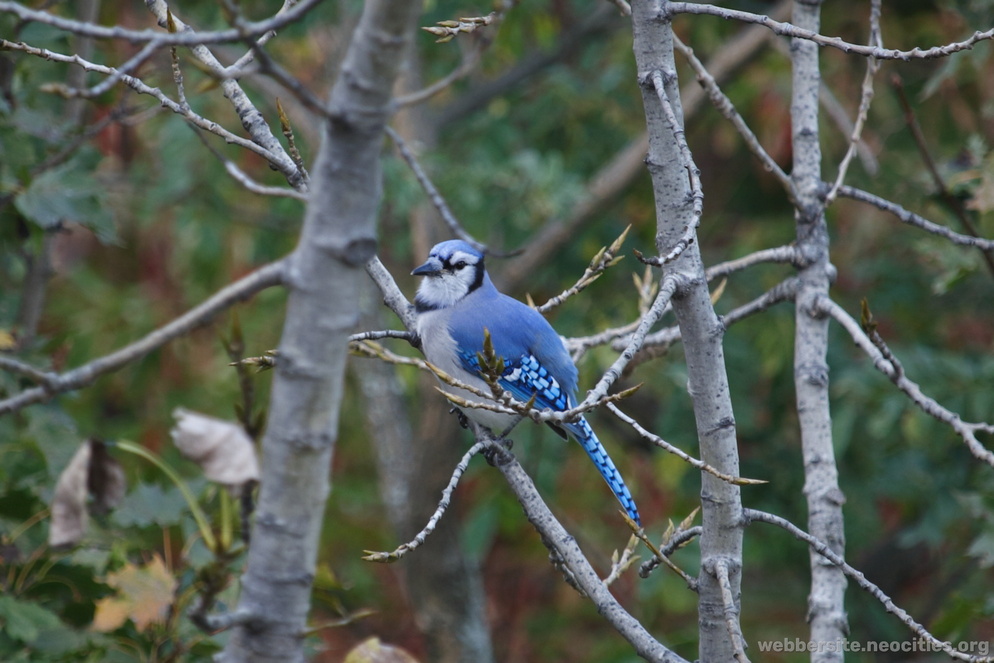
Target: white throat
445	289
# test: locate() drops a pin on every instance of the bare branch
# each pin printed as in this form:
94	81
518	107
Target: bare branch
666	290
443	505
678	539
470	59
262	278
36	375
780	254
392	295
679	453
823	549
870	342
947	196
782	292
376	335
605	258
140	87
915	220
665	87
251	119
249	55
724	106
245	180
731	613
787	30
866	97
432	192
253	29
623	562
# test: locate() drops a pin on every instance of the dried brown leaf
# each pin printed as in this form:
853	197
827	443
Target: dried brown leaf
222	449
69	514
92	472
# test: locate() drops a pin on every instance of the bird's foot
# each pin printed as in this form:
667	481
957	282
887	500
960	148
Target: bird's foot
492	452
463	421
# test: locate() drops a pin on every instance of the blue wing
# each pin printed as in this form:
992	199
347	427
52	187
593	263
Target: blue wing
536	364
524	377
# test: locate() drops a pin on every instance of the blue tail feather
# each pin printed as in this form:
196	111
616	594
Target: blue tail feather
598	454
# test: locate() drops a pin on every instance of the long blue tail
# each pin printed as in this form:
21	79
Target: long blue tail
585	436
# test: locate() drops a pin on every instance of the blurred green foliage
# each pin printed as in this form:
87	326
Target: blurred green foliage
146	223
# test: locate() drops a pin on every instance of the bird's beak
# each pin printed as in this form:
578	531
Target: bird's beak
430	268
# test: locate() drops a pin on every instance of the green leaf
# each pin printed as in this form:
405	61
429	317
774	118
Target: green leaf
67	193
149	503
982	549
23	621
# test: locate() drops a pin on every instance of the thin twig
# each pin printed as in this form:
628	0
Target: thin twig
666	290
783	291
36	375
178	78
141	87
291	141
823	549
469	62
870	342
385	333
866	97
253	29
252	121
915	220
731	613
393	297
262	278
679	453
677	540
246	59
951	201
432	192
725	106
787	30
604	259
787	254
623	562
443	505
664	87
124	69
246	180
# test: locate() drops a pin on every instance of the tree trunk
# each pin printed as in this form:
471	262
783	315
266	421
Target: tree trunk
826	609
323	277
701	331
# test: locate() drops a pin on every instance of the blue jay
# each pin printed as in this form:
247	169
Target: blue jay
455	303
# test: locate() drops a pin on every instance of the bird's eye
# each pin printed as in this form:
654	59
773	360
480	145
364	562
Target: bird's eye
459	265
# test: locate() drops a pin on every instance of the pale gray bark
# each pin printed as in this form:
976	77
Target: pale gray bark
324	278
701	331
826	609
